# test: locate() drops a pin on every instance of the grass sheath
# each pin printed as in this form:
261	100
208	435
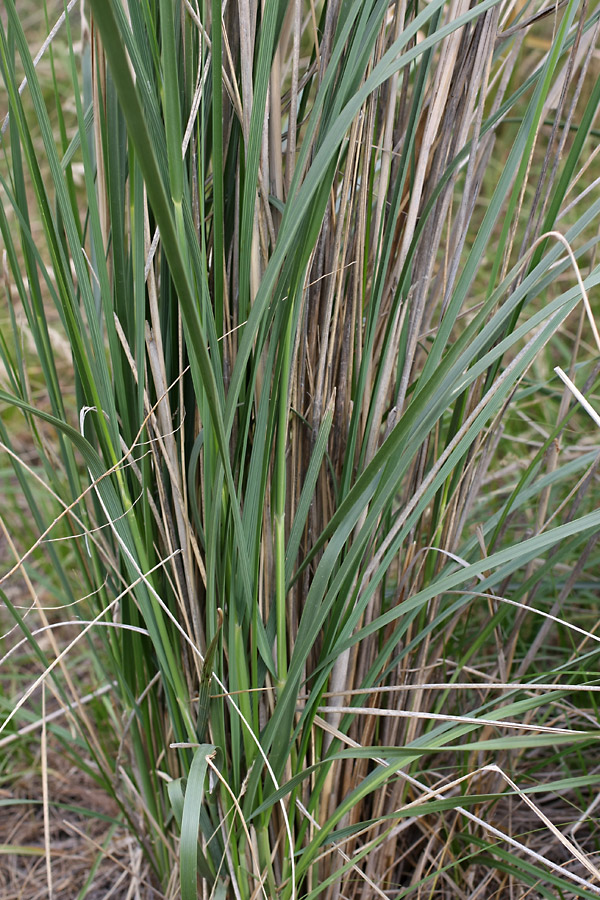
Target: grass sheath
299	390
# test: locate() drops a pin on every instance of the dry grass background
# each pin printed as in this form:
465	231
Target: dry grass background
84	850
89	848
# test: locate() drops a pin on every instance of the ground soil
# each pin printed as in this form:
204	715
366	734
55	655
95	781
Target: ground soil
84	851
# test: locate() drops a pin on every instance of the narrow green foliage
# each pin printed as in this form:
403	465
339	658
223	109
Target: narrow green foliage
281	315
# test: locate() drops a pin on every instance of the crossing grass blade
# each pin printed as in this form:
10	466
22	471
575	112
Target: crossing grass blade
190	820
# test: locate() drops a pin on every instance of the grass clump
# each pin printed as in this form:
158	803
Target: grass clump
282	313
